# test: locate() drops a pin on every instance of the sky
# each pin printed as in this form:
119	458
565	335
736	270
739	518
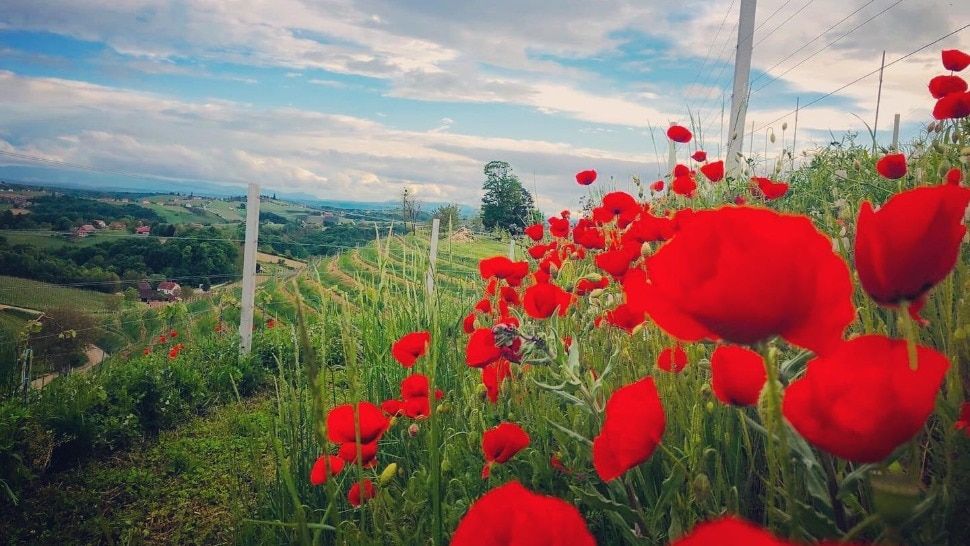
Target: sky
357	100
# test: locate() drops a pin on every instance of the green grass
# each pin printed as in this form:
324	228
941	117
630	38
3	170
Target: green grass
229	211
173	214
193	485
42	296
52	240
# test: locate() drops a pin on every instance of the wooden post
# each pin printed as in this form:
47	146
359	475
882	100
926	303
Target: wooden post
432	256
794	136
739	95
249	271
896	132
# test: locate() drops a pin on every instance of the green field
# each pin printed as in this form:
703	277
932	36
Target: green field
174	214
53	240
42	296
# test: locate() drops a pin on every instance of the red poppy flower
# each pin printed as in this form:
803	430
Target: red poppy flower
354	496
500	267
954	176
481	349
586	285
769	188
512	515
942	86
672	359
684	185
173	334
729	531
911	243
737	375
270	324
678	133
538	251
625	317
657	186
174	352
535	232
588	235
647	229
892	166
616	261
392	407
368	454
163	339
699	156
681	170
746	274
863	400
585	178
740	200
963	421
493	376
713	171
324	467
501	443
341	423
410	347
619	206
953	106
543	299
955	60
414	393
556	463
468	324
632	429
147	351
558	227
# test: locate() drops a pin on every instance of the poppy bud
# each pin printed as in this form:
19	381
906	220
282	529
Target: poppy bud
772	137
895	494
388	474
413	430
444	407
784	126
709	407
596	293
593	277
701	487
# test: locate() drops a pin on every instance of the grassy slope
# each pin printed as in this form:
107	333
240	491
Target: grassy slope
39	295
191	486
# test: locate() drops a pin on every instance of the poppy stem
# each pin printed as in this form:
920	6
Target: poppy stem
909	330
777	441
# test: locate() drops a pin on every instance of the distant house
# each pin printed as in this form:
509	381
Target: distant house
100	224
170	288
165	291
84	231
116	225
143	230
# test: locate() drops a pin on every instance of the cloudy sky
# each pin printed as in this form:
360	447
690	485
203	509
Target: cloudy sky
356	99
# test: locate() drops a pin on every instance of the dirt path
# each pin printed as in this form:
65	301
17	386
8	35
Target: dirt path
95	356
5	307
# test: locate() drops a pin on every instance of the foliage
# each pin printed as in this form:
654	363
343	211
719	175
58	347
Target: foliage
66	211
506	205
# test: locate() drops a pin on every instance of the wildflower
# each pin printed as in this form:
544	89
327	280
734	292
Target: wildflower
482	349
368	454
585	178
954	176
556	463
493	376
678	133
586	285
942	86
341	423
468	324
862	401
415	395
558	227
699	156
354	495
392	407
324	467
535	232
737	375
173	334
952	106
270	324
728	530
631	431
713	171
625	317
544	299
746	274
500	267
684	185
672	359
501	443
588	235
955	60
910	244
511	514
174	352
659	185
892	166
769	188
963	422
619	206
410	347
616	261
147	351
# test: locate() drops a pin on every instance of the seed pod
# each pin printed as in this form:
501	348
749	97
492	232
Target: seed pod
771	137
388	474
784	126
701	487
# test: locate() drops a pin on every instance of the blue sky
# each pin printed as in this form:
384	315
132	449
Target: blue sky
358	99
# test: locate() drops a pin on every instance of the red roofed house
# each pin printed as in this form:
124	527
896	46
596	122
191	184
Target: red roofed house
143	230
170	288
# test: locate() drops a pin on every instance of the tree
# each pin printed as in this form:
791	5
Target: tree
506	204
410	208
449	215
